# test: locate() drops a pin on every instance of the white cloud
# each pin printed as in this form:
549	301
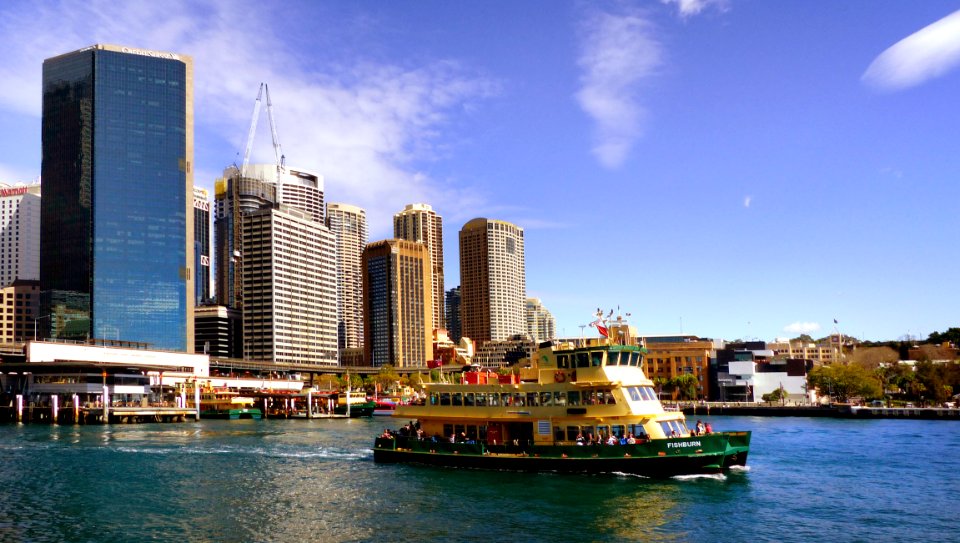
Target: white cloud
688	8
802	327
13	175
746	201
928	53
365	126
617	53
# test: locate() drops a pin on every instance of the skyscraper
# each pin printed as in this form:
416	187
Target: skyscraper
290	291
19	233
492	280
541	325
454	328
349	225
398	304
201	244
420	223
116	245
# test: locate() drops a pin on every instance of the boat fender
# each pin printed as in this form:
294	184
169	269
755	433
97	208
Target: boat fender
560	376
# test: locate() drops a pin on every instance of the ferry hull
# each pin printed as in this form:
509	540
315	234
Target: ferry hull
714	453
232	414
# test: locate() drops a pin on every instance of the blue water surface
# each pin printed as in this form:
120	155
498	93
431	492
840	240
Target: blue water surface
297	480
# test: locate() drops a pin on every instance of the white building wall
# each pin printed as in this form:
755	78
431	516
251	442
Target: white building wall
19	233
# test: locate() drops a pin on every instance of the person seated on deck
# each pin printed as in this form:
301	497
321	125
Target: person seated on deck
453	438
580	439
623	440
631	440
386	433
707	429
612	440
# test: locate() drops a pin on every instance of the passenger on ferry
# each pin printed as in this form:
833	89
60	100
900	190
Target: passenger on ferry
700	427
631	440
708	429
580	439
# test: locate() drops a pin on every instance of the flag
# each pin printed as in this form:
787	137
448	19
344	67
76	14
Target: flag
835	321
598	324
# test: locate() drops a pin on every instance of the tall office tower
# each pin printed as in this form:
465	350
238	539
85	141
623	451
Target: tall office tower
290	288
201	245
19	233
398	304
492	280
420	223
262	185
454	329
541	325
349	225
116	241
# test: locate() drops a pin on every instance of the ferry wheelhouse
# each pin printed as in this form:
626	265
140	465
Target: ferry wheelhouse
572	408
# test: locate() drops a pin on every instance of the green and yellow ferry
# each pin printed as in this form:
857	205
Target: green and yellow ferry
577	407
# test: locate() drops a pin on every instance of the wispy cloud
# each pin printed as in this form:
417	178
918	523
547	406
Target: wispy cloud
618	51
689	8
747	200
921	56
368	127
802	327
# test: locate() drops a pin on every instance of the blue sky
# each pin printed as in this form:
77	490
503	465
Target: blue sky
730	169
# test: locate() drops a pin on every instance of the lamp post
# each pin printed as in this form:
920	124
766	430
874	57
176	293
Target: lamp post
35	324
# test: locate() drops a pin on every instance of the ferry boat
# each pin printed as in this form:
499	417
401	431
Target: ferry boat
574	408
360	406
227	404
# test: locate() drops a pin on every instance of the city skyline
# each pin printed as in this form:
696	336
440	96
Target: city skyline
753	170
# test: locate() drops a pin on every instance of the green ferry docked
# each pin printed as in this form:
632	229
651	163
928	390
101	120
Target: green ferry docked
583	407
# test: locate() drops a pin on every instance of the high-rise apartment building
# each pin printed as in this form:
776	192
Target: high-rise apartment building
541	325
398	304
116	243
492	280
454	329
19	302
19	233
201	245
289	288
349	226
420	223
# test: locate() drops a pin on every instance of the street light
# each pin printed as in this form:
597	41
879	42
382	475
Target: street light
35	324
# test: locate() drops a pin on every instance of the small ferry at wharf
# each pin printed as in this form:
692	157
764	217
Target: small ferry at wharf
583	407
227	404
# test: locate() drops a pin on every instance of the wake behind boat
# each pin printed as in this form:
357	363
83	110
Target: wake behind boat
584	408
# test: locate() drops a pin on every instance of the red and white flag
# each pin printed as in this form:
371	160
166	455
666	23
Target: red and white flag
598	324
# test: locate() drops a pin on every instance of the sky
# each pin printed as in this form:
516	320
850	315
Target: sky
735	169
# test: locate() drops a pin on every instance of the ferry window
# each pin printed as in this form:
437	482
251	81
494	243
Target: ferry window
459	429
562	400
665	426
533	398
613	358
546	398
493	400
457	399
447	431
506	399
573	397
634	394
472	432
481	399
558	434
482	432
638	431
603	430
434	398
562	361
617	430
572	432
588	431
636	359
596	358
444	398
608	398
518	399
468	399
583	360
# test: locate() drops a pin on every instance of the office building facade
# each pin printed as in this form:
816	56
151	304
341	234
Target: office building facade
290	289
349	226
541	325
454	329
398	304
420	223
492	280
117	240
19	233
201	245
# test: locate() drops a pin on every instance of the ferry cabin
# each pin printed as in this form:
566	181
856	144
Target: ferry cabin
567	395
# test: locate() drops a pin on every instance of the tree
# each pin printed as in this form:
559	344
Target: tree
804	338
873	357
844	381
952	336
778	395
685	385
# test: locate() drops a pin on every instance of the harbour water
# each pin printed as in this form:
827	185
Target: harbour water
298	480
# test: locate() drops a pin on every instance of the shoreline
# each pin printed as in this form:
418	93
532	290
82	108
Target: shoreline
842	411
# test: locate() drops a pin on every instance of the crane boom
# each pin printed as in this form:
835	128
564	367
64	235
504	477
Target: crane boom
253	130
273	132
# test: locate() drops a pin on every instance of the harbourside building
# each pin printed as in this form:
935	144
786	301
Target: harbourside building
219	331
823	353
349	226
492	280
453	314
19	233
289	288
117	239
201	245
541	325
672	356
19	305
398	304
420	223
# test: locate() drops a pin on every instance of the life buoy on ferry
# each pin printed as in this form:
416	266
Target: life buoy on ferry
560	376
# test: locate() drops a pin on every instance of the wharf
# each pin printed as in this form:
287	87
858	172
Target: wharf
841	411
95	415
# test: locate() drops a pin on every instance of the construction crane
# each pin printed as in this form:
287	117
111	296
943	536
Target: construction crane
281	160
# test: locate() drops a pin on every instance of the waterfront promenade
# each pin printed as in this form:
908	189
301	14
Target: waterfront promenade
830	411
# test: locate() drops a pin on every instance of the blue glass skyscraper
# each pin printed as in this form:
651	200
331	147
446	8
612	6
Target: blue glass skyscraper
116	246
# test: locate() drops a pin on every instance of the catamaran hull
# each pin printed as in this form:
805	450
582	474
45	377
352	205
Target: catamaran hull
654	459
